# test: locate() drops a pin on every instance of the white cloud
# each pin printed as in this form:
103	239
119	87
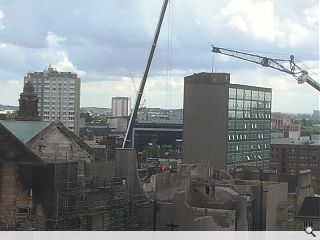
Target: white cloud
54	40
312	16
252	16
10	91
1	20
258	18
57	56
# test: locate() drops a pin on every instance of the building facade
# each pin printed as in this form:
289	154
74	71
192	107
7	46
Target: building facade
121	106
226	125
121	109
59	96
289	155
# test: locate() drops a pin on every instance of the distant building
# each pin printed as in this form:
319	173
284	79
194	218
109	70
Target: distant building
161	134
225	124
288	156
59	96
94	133
316	114
121	106
158	115
28	104
121	109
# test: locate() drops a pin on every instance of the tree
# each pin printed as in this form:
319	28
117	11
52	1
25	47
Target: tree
88	118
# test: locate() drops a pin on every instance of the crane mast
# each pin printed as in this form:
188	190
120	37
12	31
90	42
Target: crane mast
297	72
145	75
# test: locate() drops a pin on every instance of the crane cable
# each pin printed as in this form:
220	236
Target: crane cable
169	56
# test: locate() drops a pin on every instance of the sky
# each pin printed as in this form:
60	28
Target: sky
107	43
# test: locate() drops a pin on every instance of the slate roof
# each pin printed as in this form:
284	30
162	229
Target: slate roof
24	130
310	207
13	150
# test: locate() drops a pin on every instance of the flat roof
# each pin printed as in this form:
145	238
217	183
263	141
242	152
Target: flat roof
294	141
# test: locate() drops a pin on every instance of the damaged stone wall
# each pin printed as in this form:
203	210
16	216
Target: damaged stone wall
189	218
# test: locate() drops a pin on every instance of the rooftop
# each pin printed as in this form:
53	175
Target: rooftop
294	141
24	130
310	207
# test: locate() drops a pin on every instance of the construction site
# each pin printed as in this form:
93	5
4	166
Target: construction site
50	179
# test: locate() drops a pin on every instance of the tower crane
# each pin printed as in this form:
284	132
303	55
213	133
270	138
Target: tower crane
297	72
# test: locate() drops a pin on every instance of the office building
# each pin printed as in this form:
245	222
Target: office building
225	125
59	96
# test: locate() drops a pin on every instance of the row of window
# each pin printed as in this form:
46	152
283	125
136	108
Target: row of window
46	105
248	136
240	114
247	146
249	94
247	125
247	157
58	118
248	105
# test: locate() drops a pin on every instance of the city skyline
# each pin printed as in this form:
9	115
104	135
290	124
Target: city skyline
110	45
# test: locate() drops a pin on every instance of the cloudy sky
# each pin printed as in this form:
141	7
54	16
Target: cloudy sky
107	43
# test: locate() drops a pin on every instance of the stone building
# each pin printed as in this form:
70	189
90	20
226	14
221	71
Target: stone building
28	104
51	180
218	202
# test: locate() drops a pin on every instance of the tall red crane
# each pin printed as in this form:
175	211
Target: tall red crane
297	72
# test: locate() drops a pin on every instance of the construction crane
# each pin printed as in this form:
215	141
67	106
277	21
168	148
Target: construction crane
297	72
145	75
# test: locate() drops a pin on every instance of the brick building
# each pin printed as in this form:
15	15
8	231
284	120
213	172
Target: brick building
288	156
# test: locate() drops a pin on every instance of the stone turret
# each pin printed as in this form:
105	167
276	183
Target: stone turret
28	104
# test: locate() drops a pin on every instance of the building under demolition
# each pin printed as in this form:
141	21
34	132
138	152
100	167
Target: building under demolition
51	180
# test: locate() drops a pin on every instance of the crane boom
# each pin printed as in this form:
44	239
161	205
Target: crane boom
297	72
145	75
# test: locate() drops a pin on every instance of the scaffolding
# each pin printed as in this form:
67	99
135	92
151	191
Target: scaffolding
76	203
100	204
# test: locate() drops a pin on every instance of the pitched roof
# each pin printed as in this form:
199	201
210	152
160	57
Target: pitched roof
310	207
65	131
13	150
24	130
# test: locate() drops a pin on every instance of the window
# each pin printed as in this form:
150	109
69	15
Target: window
247	94
254	104
247	105
207	190
268	96
261	96
232	93
239	114
232	104
255	95
240	93
239	104
232	114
